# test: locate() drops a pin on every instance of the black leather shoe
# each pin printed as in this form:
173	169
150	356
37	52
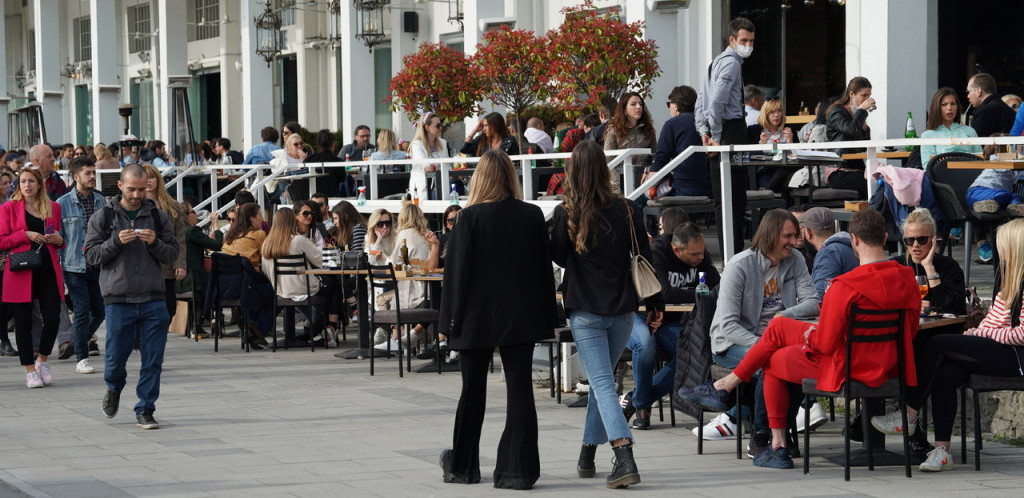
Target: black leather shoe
918	443
146	421
7	350
856	429
110	403
585	467
643	419
627	405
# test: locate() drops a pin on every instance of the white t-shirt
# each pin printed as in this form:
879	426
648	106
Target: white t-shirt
771	302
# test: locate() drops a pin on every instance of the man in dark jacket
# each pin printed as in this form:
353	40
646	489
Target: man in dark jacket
990	115
128	239
834	254
678	133
679	259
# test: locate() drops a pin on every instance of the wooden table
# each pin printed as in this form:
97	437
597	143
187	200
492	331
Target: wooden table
800	119
1011	164
900	154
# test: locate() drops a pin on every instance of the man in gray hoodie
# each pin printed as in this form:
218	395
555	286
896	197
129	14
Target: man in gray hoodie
128	239
769	279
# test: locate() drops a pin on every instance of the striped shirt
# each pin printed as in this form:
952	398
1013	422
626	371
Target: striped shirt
996	325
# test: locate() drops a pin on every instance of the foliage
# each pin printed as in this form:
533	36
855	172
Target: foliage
598	58
436	78
514	67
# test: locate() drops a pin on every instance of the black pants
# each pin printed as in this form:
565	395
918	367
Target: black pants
518	455
170	296
44	288
944	366
850	180
734	132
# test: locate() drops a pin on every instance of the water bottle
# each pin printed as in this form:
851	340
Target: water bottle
361	199
453	196
533	164
702	286
911	131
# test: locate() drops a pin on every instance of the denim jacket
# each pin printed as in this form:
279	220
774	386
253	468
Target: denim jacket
73	227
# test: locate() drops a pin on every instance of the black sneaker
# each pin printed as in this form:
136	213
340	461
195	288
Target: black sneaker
626	402
707	396
7	350
792	445
94	349
146	421
65	350
643	419
758	442
774	459
429	352
110	403
856	429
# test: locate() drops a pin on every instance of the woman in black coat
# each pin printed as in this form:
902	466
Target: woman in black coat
499	291
847	121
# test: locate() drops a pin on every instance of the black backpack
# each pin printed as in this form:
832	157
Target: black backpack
693	350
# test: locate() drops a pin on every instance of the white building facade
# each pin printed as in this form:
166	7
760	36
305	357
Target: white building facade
82	58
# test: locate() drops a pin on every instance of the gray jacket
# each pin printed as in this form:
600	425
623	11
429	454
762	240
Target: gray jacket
741	292
722	95
129	273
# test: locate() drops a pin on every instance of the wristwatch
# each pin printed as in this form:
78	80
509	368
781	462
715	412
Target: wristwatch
933	276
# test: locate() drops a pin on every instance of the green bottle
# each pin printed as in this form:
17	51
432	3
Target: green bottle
911	131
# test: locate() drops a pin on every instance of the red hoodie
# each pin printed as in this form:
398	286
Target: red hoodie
886	285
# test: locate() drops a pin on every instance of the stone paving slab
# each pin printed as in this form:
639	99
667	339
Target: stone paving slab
296	423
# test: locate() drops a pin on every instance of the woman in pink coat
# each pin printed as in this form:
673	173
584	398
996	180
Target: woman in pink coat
28	220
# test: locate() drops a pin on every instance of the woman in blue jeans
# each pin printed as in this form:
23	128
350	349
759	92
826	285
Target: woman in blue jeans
592	239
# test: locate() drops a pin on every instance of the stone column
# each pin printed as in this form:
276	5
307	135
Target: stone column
48	78
172	48
105	91
890	45
257	81
356	77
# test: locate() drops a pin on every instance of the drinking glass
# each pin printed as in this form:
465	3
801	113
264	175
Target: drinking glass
922	285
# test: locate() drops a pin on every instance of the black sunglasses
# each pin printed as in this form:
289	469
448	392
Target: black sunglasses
306	214
922	240
451	221
383	224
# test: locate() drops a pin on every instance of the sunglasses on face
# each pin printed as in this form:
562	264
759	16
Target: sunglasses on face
451	221
306	214
384	224
922	240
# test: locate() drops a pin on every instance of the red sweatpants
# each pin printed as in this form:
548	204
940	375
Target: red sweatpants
780	352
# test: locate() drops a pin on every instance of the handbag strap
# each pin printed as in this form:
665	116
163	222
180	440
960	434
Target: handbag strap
632	228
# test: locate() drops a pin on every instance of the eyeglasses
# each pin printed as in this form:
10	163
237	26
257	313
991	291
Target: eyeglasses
362	136
77	154
922	240
435	125
451	221
231	219
306	214
384	224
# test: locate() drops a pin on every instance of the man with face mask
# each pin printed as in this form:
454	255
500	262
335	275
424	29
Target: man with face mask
720	121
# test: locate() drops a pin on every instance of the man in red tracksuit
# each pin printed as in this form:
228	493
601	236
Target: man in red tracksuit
791	350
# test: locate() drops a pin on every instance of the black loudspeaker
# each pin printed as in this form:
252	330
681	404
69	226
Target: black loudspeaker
410	22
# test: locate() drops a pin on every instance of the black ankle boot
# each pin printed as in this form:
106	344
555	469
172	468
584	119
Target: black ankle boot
624	471
585	467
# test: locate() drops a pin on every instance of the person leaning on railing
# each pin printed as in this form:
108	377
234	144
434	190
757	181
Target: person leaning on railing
847	121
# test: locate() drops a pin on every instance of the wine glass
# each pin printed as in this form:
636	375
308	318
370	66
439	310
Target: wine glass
375	249
922	285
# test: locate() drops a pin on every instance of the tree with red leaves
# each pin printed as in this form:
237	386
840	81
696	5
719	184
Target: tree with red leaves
514	68
598	58
436	78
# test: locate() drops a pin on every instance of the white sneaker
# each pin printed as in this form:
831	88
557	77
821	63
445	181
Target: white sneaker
892	423
719	428
380	336
44	373
818	417
84	367
32	380
938	460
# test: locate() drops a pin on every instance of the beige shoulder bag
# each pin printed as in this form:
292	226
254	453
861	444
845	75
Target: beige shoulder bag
644	278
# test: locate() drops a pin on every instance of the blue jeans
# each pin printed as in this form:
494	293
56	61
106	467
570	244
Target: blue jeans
645	346
730	359
149	321
1003	197
84	289
600	341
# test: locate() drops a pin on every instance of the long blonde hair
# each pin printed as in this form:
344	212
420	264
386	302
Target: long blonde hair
371	234
494	179
421	132
411	216
279	241
386	141
587	190
163	199
1010	243
42	203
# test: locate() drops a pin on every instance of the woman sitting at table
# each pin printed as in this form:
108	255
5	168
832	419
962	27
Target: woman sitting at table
943	114
946	293
990	349
197	242
415	235
772	121
307	218
847	121
350	228
380	239
284	240
245	237
451	215
630	126
426	143
387	148
490	133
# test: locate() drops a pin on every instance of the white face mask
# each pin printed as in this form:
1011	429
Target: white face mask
744	51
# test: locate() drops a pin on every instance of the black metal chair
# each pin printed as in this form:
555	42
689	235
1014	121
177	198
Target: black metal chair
227	268
292	265
886	326
383	277
980	384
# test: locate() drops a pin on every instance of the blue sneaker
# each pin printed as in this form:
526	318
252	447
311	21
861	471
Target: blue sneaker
985	252
707	396
774	458
956	233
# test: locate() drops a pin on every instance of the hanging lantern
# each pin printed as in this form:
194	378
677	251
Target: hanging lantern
268	34
370	23
455	11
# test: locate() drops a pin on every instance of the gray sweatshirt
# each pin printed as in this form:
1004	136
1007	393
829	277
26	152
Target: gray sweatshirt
741	292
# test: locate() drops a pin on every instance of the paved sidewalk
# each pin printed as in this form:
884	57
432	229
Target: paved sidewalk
296	423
